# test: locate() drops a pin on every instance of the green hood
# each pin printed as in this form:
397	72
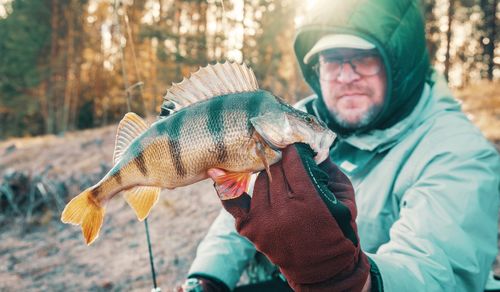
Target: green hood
396	27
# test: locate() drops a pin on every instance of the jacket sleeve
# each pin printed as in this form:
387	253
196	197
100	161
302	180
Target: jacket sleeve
223	253
446	236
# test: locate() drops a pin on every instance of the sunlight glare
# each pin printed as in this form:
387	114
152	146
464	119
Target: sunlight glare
3	13
235	55
308	6
5	8
92	8
153	12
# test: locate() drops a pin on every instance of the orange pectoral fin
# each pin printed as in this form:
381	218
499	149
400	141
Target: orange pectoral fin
232	184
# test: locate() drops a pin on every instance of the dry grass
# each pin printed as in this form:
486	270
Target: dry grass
482	103
46	255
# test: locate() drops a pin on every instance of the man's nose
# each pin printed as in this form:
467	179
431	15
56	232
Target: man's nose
347	74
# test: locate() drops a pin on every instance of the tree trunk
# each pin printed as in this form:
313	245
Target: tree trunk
202	33
177	35
51	82
70	66
153	61
487	37
490	47
448	39
132	28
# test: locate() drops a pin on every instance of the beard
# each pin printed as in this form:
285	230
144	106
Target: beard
364	120
341	114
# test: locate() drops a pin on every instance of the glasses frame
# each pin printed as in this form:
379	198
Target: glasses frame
349	60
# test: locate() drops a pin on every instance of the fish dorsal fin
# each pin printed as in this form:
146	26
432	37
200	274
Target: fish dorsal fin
130	127
210	81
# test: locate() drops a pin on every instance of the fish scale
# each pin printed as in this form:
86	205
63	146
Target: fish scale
222	120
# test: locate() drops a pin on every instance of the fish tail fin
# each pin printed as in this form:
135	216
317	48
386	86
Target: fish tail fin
142	199
84	211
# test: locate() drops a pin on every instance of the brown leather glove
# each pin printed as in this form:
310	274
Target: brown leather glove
303	221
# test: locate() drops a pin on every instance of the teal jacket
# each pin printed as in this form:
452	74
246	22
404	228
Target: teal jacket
427	191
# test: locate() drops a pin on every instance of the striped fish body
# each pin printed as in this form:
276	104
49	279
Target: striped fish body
223	123
178	150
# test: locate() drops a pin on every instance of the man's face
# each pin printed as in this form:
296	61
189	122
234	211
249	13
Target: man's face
353	96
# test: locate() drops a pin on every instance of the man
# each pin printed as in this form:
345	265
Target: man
425	181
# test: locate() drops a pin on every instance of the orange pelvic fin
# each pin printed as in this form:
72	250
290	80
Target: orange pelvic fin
142	199
82	210
232	184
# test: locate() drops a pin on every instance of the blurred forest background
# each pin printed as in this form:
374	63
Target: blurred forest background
76	64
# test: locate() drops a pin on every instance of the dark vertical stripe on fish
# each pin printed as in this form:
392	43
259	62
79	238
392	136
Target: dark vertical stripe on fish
173	128
140	163
95	192
175	151
117	176
254	106
215	124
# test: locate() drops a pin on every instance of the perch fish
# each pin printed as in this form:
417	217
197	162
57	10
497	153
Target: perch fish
222	120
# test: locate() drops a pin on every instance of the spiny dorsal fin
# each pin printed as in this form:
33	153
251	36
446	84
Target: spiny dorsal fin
130	127
210	81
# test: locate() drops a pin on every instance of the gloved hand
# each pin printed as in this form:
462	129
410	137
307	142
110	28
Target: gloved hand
303	221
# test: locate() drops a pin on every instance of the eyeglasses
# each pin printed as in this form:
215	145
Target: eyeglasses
328	68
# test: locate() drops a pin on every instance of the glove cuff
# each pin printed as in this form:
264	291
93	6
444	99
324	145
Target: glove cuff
376	278
353	280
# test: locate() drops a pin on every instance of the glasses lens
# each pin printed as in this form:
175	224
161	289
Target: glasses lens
367	65
329	70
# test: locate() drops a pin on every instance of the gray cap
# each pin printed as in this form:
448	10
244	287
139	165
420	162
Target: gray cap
333	41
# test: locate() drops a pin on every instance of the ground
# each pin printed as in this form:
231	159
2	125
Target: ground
47	255
40	253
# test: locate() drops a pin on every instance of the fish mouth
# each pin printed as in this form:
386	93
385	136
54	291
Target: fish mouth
323	145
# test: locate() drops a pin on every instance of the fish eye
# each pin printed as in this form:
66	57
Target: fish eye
309	119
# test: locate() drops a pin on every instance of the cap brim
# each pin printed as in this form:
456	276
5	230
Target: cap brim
334	41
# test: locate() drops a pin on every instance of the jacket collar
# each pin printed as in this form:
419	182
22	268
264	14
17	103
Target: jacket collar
436	97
